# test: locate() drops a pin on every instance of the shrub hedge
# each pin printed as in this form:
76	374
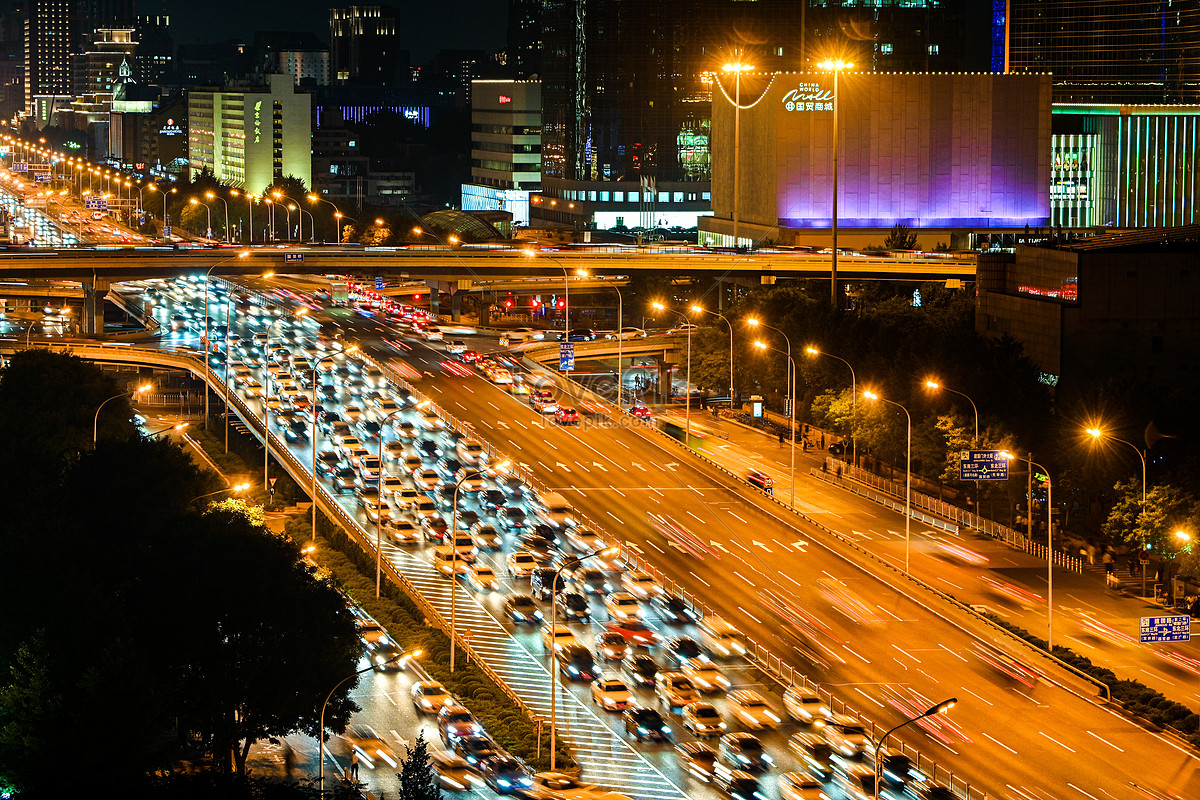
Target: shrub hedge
1134	696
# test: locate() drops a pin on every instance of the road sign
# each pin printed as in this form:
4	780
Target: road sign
1166	629
566	356
95	202
166	230
293	258
1144	556
982	465
20	166
41	177
378	283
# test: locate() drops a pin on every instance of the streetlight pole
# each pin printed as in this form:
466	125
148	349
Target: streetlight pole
730	324
1097	434
378	490
212	196
1049	541
836	66
266	397
907	477
502	468
940	708
792	396
812	351
687	387
96	419
574	562
792	370
206	341
737	68
935	386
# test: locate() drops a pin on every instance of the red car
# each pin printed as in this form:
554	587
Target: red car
469	356
634	631
566	416
641	412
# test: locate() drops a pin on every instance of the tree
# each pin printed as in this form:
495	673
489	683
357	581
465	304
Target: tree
1168	509
710	359
418	780
900	238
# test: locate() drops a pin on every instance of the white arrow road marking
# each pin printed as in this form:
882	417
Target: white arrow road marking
503	425
598	465
639	466
799	545
718	545
760	544
671	465
562	466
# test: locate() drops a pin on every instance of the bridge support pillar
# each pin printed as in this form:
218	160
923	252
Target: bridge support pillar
434	288
456	301
93	305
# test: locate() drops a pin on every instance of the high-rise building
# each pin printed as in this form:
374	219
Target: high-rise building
156	50
891	35
298	53
47	56
506	158
364	46
524	38
1109	51
248	134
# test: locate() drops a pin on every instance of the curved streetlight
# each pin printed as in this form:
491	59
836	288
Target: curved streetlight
792	369
940	708
501	468
701	310
1097	434
96	420
934	386
756	323
836	66
212	196
554	582
266	406
1049	540
812	351
400	658
378	492
687	389
907	475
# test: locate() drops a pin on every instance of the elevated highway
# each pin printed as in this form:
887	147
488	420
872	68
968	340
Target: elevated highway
466	265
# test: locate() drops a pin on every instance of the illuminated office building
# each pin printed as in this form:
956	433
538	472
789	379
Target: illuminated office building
47	56
1109	51
364	46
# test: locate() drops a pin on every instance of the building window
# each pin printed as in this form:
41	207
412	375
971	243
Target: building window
933	49
677	197
885	48
592	196
604	197
618	197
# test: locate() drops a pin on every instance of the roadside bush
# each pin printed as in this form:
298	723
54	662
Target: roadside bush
1134	696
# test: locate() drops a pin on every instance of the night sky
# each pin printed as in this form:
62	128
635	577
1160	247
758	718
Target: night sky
427	27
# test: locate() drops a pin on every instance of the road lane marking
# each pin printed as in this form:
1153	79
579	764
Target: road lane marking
748	614
1002	744
614	516
697	577
1056	741
1110	744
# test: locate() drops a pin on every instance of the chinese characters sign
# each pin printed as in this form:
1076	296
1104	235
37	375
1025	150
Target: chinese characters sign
808	97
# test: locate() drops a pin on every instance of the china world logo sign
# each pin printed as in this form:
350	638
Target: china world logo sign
808	97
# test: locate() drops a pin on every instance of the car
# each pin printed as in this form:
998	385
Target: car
327	461
506	775
566	415
814	753
721	638
611	646
685	650
579	335
435	529
736	783
296	431
856	782
798	786
576	663
761	480
698	760
845	734
456	347
635	631
475	750
590	580
806	705
469	357
703	719
349	444
482	577
357	454
370	747
486	536
626	333
422	509
403	497
369	466
430	421
425	480
744	751
641	668
541	578
928	790
674	610
430	697
353	413
512	518
623	606
521	564
541	548
559	786
584	540
402	532
646	723
385	655
523	335
454	773
611	694
750	709
558	637
573	606
344	479
456	721
522	608
429	450
706	676
501	377
675	691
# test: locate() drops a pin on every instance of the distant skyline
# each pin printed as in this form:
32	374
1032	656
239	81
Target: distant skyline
446	24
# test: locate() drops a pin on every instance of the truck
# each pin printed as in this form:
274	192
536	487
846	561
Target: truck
339	295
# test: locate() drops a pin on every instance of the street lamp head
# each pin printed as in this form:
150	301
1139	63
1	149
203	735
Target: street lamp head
145	387
503	467
193	201
378	221
268	274
312	197
1183	536
302	312
835	64
942	707
752	322
583	273
241	487
760	345
697	309
209	195
1095	433
658	305
870	395
932	385
737	66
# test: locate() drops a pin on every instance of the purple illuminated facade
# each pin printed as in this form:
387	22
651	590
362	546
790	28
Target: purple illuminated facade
944	154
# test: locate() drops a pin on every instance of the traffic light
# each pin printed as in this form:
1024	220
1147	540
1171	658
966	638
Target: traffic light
508	304
416	298
562	302
533	303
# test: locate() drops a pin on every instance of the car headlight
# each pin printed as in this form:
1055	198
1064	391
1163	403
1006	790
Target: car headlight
767	758
743	759
666	729
503	781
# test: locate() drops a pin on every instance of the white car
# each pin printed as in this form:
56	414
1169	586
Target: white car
433	334
623	606
429	697
705	676
558	786
752	710
403	532
611	694
626	333
524	335
640	584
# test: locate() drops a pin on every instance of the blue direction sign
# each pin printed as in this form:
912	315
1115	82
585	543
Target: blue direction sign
1166	629
166	230
566	356
378	284
95	202
293	258
982	465
20	166
41	177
